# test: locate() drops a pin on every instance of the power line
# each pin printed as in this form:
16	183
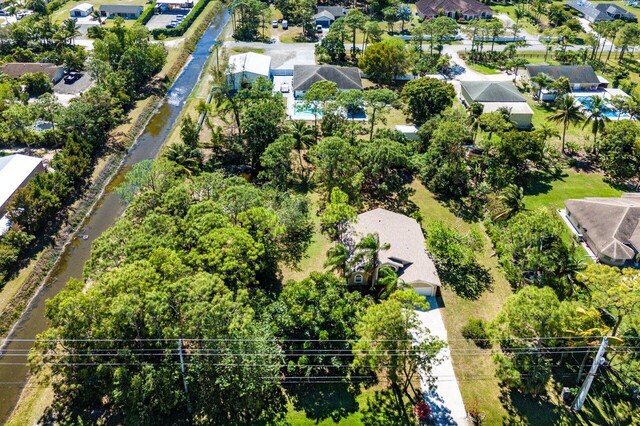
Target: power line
9	340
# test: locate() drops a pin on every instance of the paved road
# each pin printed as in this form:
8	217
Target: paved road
444	398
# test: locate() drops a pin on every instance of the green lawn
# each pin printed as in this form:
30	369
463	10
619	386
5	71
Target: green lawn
524	23
334	404
482	69
572	184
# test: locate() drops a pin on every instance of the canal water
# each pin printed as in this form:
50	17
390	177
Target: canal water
13	363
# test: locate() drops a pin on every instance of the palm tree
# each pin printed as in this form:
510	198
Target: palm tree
304	137
337	259
96	16
368	253
597	118
70	29
186	156
567	113
388	279
547	131
511	203
542	80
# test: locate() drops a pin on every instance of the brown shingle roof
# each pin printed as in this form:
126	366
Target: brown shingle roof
18	69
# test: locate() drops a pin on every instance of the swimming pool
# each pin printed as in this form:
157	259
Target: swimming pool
304	112
608	110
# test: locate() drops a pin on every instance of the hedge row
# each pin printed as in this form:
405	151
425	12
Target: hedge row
146	14
184	25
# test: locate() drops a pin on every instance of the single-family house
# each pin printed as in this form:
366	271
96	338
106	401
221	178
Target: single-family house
609	226
246	68
327	15
18	69
465	9
82	10
495	95
125	11
599	12
581	77
15	172
346	78
407	254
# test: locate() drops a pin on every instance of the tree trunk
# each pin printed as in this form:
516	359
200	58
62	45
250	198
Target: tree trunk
373	123
564	132
615	327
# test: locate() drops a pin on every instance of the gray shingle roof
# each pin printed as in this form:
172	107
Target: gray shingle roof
334	11
611	223
345	77
492	91
600	11
577	74
407	246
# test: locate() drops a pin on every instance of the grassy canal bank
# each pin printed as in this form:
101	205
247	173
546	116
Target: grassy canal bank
36	396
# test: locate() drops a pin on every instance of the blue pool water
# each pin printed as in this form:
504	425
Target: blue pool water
608	110
302	112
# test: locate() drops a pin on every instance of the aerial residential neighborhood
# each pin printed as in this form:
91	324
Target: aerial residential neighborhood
320	213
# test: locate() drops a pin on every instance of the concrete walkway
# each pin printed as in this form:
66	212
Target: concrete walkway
444	398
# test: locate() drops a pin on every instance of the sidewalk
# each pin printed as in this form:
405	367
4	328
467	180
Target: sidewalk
444	398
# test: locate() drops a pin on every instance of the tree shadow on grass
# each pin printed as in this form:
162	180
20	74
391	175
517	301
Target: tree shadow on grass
382	410
529	410
542	182
321	401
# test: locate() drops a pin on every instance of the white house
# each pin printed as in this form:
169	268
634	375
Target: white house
15	172
81	10
407	254
125	11
494	95
246	68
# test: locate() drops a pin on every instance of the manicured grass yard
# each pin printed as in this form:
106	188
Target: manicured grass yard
572	184
483	69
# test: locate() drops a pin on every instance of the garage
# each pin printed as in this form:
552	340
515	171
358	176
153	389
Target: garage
424	289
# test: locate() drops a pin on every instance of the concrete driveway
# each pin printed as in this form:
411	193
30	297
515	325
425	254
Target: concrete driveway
444	398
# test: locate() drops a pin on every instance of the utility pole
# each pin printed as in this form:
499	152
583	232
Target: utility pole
584	390
184	376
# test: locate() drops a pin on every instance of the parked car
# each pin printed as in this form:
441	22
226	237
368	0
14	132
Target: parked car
284	88
171	25
274	23
285	24
319	29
